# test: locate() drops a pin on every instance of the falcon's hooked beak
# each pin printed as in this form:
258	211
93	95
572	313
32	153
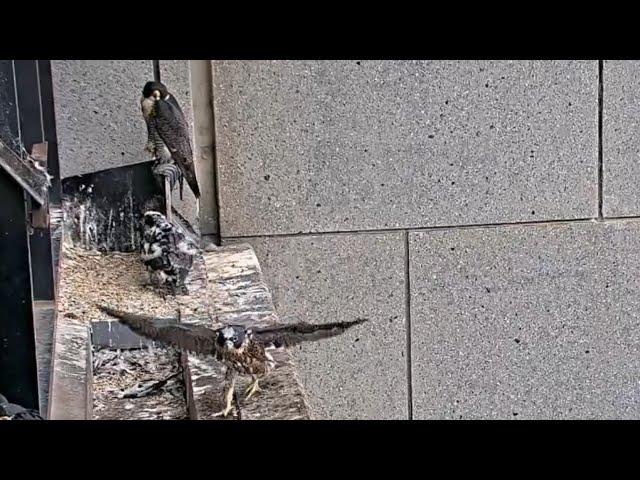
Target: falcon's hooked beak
156	95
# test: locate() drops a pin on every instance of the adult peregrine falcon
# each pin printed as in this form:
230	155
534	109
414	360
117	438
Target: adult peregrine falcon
168	136
242	350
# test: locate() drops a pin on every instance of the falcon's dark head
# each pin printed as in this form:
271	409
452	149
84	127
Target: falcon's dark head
156	90
152	218
233	337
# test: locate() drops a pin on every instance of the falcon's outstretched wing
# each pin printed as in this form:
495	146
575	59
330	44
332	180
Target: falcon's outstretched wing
167	330
172	128
288	335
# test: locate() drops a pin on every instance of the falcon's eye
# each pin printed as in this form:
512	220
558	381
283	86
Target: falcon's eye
235	339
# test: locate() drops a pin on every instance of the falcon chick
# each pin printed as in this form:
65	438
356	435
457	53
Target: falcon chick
11	411
242	350
168	136
166	251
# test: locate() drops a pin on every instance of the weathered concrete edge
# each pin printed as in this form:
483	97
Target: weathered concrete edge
70	395
71	376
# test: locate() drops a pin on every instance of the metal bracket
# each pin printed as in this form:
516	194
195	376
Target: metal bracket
40	213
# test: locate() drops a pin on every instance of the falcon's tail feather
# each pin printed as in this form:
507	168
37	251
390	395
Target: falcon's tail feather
288	335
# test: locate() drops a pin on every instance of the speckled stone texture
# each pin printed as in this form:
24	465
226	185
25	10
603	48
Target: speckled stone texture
620	139
347	145
362	373
98	117
535	322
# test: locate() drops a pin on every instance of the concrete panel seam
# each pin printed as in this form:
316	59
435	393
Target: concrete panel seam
600	146
605	220
421	229
407	292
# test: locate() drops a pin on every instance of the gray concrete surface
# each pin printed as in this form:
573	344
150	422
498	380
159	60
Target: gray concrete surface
621	142
352	145
526	322
362	373
71	376
98	117
204	143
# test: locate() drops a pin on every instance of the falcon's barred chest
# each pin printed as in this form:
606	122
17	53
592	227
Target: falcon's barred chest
154	141
245	354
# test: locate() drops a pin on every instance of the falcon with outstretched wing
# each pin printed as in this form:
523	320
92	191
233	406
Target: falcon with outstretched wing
242	350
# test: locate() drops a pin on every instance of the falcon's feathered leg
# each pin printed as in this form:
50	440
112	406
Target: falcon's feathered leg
150	282
253	387
180	282
167	198
230	386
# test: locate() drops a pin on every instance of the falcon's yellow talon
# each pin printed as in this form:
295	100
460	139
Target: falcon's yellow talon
223	413
252	388
229	406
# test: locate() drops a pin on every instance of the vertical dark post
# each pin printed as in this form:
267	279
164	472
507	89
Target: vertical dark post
49	128
53	162
32	132
18	373
28	96
18	377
